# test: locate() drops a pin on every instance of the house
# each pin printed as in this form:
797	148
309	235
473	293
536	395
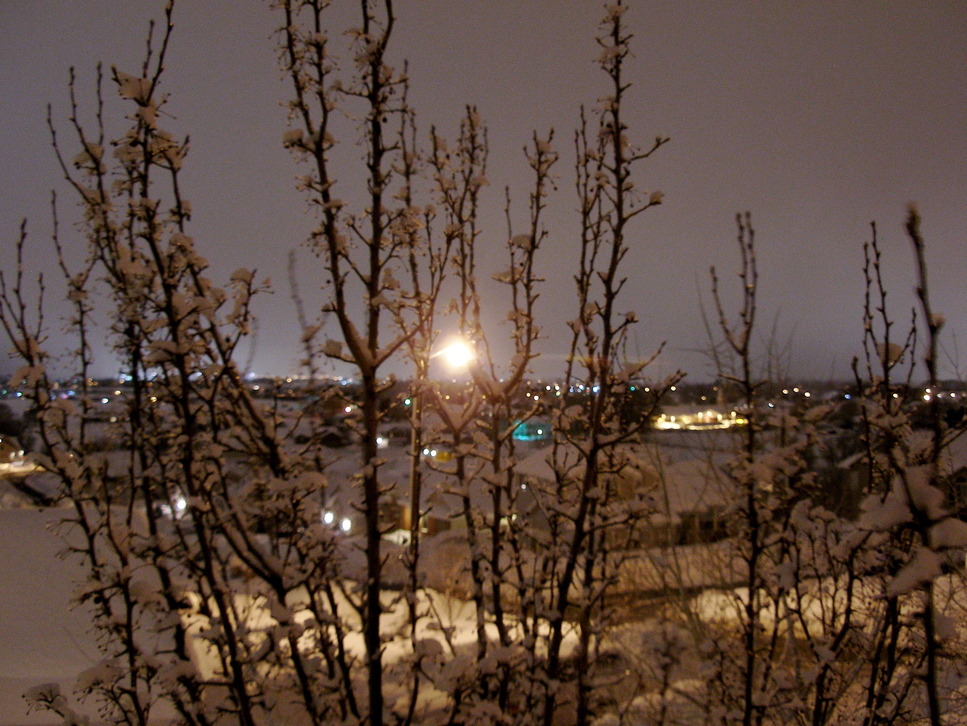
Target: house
685	501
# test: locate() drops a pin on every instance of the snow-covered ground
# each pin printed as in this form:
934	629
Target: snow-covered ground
43	637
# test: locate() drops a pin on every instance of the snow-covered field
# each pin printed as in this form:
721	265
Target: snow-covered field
43	638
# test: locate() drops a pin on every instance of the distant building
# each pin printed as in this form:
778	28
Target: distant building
687	500
691	418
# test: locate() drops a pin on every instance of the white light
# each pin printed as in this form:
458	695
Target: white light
328	517
346	524
458	354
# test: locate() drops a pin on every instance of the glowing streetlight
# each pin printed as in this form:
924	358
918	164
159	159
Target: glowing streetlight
457	355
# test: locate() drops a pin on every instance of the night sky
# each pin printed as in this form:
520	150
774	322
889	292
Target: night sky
817	117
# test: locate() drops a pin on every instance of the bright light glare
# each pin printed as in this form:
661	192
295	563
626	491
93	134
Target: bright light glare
458	354
346	524
328	517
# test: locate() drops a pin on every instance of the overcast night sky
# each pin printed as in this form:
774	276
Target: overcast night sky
818	117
